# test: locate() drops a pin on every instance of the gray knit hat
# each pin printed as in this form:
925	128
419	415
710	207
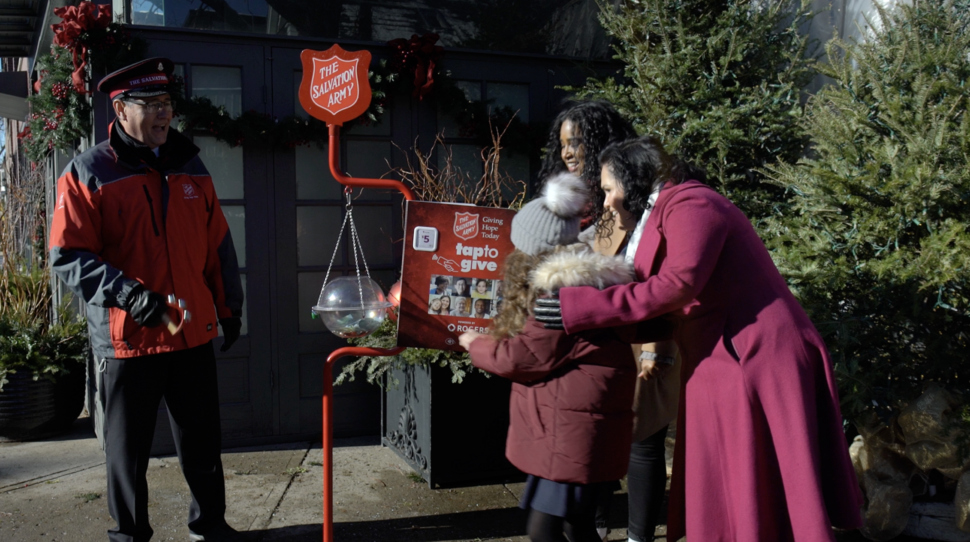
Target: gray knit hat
552	219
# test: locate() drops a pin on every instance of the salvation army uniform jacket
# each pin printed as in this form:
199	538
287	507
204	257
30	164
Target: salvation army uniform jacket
124	216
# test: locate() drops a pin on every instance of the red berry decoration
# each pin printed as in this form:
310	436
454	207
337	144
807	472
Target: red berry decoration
61	90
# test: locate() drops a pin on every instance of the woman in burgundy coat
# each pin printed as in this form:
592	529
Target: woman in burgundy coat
570	417
760	452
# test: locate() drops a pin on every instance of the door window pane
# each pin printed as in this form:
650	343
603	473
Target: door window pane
364	126
467	159
236	217
473	93
309	286
515	165
375	231
225	164
513	96
221	84
316	234
370	159
313	178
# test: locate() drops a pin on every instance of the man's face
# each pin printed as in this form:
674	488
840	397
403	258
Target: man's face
146	119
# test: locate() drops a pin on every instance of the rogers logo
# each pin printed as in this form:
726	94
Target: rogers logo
466	225
464	328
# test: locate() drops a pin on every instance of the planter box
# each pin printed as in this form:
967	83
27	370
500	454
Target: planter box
31	410
450	434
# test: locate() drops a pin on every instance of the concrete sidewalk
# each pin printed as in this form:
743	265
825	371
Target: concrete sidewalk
53	491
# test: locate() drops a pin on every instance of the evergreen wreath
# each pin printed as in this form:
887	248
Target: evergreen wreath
61	110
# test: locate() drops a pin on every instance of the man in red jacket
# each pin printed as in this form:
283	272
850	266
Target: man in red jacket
136	220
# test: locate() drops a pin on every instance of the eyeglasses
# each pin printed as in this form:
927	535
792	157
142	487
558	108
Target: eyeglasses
154	107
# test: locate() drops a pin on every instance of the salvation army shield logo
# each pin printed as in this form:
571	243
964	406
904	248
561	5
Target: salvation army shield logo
334	87
466	225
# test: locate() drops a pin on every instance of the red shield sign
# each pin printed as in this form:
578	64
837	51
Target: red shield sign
466	225
335	88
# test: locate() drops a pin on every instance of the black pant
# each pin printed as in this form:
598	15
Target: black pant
646	483
131	391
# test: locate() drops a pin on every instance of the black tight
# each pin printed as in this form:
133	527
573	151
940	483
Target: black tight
580	527
646	482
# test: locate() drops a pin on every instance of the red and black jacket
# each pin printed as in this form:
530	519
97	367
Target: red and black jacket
123	217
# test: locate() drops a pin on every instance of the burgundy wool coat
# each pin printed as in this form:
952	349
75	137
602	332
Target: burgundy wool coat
760	452
569	413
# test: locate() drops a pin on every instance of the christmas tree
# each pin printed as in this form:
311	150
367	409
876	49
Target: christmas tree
876	242
719	82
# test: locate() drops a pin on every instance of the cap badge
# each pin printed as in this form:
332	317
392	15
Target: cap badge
161	67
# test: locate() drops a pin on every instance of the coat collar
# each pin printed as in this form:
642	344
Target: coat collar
175	153
578	265
653	233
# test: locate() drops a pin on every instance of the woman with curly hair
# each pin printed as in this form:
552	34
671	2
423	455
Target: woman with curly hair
577	136
761	455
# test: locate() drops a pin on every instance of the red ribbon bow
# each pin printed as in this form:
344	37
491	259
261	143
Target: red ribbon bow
75	22
419	54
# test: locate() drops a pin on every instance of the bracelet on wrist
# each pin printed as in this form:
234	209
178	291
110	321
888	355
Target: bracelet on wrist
653	356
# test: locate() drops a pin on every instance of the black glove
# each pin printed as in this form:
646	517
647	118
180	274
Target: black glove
548	312
230	331
145	306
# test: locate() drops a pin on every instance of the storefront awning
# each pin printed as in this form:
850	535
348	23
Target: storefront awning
19	23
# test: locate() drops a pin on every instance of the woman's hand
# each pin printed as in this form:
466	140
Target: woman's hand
656	359
650	369
466	338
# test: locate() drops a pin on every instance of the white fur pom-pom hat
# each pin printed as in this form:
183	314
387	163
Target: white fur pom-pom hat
552	219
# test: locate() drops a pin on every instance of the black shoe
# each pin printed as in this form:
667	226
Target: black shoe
224	533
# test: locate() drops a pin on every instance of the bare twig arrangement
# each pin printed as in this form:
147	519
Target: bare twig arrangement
450	184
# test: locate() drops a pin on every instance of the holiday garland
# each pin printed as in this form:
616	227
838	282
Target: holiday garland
61	110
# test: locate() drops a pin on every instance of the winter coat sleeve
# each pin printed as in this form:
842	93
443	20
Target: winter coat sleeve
529	356
695	227
75	245
222	266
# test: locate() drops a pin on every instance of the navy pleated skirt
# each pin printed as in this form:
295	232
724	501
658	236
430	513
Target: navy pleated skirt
562	499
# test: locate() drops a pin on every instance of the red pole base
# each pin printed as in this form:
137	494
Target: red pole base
327	439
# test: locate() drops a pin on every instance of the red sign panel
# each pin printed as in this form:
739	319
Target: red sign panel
452	273
334	87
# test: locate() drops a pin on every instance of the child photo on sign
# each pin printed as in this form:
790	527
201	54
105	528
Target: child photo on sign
445	305
483	289
434	305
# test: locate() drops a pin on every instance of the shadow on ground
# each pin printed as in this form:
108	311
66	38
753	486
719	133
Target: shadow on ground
485	524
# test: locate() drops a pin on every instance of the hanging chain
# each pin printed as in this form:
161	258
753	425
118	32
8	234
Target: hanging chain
355	244
340	236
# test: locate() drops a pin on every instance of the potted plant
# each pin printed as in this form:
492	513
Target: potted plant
43	346
447	419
